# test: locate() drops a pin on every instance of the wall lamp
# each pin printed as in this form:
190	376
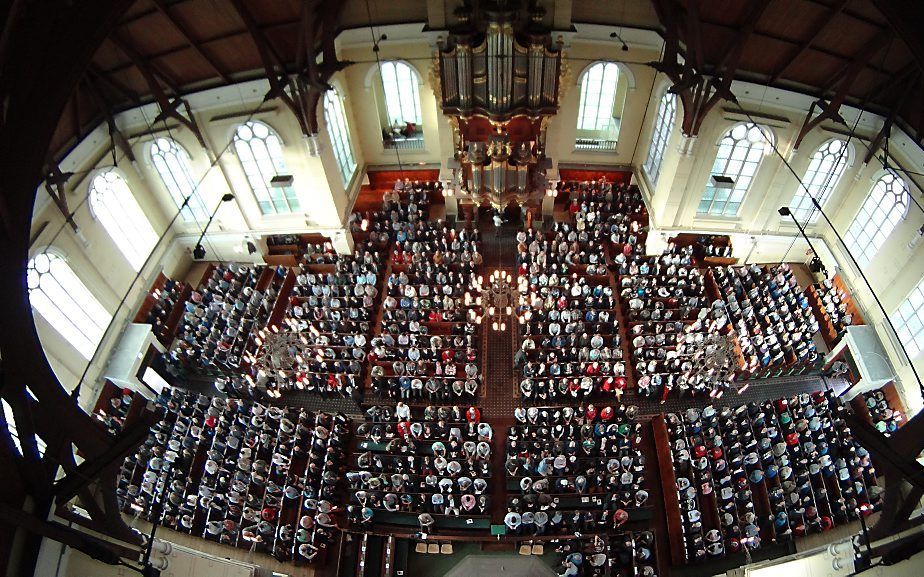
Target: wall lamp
199	251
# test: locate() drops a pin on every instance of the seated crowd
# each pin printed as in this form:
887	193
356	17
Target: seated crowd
405	204
767	472
670	316
573	469
221	318
429	342
613	212
570	344
886	418
166	298
629	554
770	315
835	304
429	463
244	474
330	309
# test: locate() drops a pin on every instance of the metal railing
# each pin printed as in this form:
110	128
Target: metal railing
595	144
404	144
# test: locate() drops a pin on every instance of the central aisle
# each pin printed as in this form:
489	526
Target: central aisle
499	397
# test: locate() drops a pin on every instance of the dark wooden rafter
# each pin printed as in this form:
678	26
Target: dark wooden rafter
116	138
697	95
170	107
194	44
280	83
860	58
895	459
96	547
30	464
330	64
842	83
806	44
55	182
685	77
891	81
885	132
130	437
45	56
145	66
105	78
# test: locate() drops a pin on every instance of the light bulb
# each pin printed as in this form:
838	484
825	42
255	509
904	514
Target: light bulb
494	325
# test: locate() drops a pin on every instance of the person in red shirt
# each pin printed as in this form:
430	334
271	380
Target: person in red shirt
473	415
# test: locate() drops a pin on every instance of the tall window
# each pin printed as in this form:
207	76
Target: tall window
664	125
339	135
884	208
66	303
260	152
909	321
824	172
402	98
172	164
598	94
115	206
740	153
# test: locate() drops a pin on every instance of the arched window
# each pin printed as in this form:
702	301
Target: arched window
66	303
402	98
664	125
741	151
339	135
821	178
260	152
909	321
172	164
883	209
598	95
113	203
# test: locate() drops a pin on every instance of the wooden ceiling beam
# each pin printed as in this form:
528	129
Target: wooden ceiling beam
117	139
820	25
148	69
892	81
162	7
734	51
886	131
848	12
169	107
907	19
274	69
114	84
781	39
694	35
860	58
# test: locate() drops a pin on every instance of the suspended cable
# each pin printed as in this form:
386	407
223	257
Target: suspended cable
378	63
885	314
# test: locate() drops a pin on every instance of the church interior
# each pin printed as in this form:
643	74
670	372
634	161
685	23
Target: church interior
369	288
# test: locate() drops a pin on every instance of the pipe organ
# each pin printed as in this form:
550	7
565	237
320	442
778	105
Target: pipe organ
499	73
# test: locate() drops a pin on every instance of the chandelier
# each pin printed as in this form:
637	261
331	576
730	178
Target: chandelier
496	298
714	361
279	358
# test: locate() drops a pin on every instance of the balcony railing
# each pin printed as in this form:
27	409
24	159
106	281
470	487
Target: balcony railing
595	144
404	144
